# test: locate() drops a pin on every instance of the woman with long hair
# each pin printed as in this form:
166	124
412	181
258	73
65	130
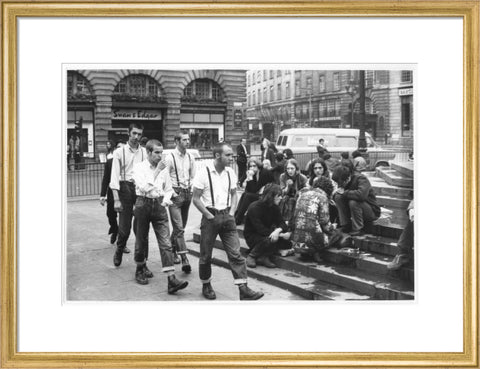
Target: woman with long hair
318	168
265	230
268	150
257	178
291	181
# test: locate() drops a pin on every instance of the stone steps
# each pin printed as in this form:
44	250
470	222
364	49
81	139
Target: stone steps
364	274
306	287
404	168
394	178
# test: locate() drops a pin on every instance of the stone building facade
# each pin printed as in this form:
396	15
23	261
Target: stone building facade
280	99
102	104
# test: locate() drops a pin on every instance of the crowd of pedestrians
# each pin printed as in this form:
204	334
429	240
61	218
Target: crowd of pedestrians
284	210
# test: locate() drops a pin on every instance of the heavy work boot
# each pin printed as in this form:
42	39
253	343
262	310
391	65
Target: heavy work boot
175	284
248	294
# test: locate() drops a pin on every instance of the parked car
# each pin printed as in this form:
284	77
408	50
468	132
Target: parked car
304	141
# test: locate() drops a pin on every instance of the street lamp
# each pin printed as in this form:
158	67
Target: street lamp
351	90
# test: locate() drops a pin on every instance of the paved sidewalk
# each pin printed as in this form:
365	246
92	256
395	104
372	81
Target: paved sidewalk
91	275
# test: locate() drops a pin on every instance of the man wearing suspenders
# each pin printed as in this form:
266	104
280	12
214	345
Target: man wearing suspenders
154	191
181	167
123	188
215	196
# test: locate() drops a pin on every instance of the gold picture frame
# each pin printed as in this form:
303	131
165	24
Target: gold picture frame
467	10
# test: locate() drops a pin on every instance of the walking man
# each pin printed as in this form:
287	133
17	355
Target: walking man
154	191
181	168
215	196
123	188
242	158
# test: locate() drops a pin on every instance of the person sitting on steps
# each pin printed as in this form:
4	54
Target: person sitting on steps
405	243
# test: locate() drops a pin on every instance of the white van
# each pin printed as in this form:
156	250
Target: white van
337	140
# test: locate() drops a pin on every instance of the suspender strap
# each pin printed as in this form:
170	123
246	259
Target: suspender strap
189	168
211	187
176	171
229	186
124	165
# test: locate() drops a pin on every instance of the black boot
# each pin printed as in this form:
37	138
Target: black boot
208	292
185	264
117	257
175	284
147	271
140	276
248	294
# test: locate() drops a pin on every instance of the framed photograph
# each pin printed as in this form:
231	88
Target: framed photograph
125	110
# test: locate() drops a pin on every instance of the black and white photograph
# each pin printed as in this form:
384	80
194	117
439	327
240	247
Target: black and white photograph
240	184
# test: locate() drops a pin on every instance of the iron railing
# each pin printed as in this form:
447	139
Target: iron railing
85	179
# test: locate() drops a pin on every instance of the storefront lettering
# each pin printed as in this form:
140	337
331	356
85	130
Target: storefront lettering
137	114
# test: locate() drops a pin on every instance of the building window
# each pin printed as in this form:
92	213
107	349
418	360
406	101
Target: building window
309	85
279	91
260	97
78	86
406	117
203	90
249	99
265	97
138	85
329	108
271	93
279	73
254	98
406	76
381	77
287	90
271	74
264	75
336	81
369	78
297	87
321	83
259	76
248	79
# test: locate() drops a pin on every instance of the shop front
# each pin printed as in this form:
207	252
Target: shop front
151	119
205	129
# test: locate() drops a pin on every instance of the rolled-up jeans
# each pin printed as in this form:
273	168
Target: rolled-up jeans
224	225
179	216
127	197
151	211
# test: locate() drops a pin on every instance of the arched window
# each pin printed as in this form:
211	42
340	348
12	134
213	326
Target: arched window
137	87
203	90
78	87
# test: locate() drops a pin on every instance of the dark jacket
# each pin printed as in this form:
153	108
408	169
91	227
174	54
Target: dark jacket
261	220
105	190
268	154
255	185
277	169
241	154
360	189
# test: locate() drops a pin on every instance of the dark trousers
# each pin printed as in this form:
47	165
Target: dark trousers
242	171
127	198
405	242
262	246
245	201
151	211
179	216
224	225
112	216
354	212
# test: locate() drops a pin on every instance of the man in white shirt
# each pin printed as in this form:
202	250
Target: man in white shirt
154	191
181	167
215	196
123	189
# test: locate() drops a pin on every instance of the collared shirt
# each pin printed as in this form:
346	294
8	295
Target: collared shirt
122	165
147	185
220	186
185	168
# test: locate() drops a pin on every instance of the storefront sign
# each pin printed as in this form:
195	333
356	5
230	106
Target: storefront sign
405	92
136	114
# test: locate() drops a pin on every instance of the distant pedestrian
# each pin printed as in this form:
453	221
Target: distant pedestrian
242	158
215	196
321	148
181	168
288	153
355	199
154	190
268	151
359	163
265	230
123	188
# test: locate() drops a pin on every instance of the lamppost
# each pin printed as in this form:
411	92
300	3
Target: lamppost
351	90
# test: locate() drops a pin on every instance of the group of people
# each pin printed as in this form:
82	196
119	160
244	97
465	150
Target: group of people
293	212
143	183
